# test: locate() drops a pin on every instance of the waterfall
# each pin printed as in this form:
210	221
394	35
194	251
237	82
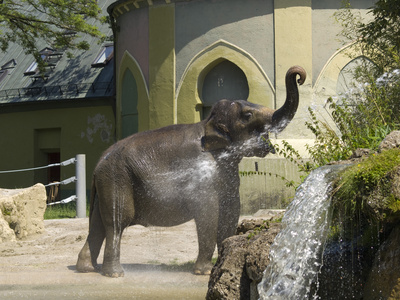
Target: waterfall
296	255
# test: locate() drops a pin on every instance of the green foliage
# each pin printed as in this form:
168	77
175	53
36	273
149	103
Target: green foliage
329	145
6	212
368	183
57	23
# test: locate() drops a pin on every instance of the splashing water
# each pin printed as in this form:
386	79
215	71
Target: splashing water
295	256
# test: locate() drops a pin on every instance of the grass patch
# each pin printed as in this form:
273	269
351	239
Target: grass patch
63	211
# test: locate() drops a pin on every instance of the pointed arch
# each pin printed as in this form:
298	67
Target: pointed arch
188	101
346	80
130	72
326	84
328	81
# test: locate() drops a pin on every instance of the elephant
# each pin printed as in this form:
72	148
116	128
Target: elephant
168	176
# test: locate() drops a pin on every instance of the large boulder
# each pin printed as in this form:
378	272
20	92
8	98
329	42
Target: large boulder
242	261
21	212
392	140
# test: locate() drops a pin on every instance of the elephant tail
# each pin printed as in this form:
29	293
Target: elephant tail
92	197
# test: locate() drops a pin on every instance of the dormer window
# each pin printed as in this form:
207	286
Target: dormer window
32	69
104	56
6	69
49	56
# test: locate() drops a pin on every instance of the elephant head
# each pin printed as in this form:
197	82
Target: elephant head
244	126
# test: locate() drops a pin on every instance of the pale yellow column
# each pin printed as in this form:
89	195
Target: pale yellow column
293	46
162	65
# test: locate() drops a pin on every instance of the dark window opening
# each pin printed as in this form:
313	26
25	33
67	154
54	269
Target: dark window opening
53	175
225	81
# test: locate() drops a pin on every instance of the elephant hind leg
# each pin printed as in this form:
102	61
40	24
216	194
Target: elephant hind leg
121	213
111	264
87	258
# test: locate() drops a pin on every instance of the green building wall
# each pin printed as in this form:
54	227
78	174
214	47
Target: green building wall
30	133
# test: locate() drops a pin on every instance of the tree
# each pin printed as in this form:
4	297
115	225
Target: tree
55	22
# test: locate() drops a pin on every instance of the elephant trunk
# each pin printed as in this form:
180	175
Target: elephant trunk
282	116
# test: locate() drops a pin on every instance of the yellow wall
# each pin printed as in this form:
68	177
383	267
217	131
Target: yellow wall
162	65
260	87
293	46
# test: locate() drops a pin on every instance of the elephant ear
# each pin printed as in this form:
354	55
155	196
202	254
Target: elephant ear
216	136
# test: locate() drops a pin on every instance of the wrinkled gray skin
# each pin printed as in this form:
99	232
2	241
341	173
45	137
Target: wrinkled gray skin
174	174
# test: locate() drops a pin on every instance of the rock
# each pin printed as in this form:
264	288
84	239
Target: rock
252	224
257	258
384	279
392	140
396	183
242	261
360	153
344	269
227	279
6	233
22	212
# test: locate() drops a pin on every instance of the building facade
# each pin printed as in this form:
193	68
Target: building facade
174	59
169	61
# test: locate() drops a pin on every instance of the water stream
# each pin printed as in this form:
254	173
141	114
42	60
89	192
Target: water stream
296	255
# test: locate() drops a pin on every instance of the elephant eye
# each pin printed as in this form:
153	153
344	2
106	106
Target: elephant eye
247	116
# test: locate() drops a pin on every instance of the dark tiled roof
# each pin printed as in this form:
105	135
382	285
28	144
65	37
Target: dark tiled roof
68	78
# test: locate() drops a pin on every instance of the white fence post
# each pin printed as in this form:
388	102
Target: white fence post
80	170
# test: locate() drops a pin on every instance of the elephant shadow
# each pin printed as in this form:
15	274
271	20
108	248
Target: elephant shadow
153	267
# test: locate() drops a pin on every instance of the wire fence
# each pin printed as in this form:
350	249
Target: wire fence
79	179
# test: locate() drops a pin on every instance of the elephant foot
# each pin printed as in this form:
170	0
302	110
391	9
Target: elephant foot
204	269
112	272
84	266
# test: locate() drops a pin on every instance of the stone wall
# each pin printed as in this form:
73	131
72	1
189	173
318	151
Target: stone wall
22	212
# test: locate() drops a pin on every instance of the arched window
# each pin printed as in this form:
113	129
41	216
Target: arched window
129	102
346	79
225	81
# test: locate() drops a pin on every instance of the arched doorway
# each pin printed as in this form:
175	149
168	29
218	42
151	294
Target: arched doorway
224	81
129	103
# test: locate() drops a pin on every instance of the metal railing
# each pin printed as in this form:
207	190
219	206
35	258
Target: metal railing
65	91
79	179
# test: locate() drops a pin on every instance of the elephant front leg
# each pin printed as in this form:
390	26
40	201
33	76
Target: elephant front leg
207	239
228	218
